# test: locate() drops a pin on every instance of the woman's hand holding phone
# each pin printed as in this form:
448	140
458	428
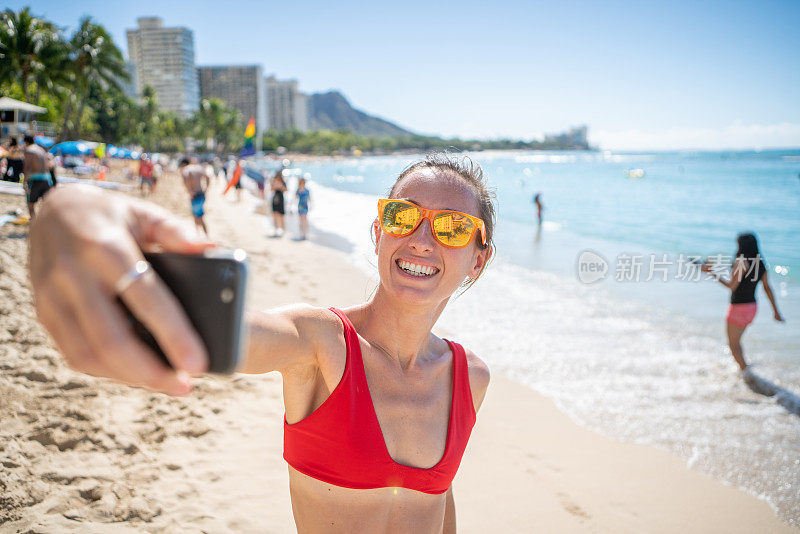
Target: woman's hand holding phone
83	242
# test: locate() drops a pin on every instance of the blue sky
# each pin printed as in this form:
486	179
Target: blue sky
642	75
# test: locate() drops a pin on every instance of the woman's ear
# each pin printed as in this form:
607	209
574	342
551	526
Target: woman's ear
480	262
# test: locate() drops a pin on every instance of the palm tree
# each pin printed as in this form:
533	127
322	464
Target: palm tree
31	49
94	59
219	123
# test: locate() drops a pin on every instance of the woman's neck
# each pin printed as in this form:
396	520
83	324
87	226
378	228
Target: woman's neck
402	332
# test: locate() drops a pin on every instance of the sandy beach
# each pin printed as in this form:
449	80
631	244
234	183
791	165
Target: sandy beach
79	454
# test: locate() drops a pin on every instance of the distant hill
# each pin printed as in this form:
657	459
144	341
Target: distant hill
332	111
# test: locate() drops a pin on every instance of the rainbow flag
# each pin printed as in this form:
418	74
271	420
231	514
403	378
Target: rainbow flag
249	137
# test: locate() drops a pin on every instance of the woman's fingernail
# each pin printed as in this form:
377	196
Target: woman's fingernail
184	384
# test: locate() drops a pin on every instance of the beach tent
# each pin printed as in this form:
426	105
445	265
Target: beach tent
74	148
122	152
43	141
127	153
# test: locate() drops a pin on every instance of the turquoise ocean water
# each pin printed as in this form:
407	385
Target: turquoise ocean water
640	360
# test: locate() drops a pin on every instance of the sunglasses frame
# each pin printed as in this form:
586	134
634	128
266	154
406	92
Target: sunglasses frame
477	224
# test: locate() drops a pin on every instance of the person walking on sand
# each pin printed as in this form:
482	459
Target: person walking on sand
36	169
378	409
278	188
196	181
747	271
147	183
303	197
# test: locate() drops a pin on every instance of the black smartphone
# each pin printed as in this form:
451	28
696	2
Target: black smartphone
211	289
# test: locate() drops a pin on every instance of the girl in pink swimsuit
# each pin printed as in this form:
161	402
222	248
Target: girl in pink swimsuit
747	271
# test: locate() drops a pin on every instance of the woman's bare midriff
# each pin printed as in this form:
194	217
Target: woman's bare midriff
322	507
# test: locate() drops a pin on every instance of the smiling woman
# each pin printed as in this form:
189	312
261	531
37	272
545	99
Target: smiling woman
379	410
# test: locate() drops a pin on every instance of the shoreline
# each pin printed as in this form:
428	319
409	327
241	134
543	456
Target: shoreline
220	449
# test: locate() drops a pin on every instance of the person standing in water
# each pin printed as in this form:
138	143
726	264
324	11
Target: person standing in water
303	196
537	199
196	181
747	271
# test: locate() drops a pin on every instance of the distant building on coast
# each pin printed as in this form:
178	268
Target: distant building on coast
286	106
575	138
239	86
164	59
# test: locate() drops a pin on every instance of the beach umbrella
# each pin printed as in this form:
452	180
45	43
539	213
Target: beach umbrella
74	148
43	141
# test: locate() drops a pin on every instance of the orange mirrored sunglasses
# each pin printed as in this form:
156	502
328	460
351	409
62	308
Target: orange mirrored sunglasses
451	228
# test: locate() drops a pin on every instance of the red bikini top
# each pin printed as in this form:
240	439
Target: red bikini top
341	441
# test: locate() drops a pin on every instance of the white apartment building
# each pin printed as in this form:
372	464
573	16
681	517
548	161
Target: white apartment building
286	106
164	59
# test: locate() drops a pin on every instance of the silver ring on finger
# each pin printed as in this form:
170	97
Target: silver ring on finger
138	270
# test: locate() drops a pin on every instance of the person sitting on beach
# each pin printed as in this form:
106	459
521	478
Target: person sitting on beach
378	408
303	197
196	181
747	271
36	169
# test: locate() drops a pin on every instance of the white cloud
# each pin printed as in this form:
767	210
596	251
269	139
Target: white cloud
734	136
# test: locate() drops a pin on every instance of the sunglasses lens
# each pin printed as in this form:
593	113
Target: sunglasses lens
399	218
453	229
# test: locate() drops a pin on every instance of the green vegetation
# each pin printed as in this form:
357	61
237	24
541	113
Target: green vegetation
79	79
345	142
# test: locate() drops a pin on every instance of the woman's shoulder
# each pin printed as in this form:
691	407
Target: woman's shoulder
479	377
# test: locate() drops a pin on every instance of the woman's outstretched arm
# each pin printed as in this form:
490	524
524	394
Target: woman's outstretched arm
83	241
283	337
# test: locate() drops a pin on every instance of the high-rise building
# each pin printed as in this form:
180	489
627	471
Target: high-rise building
164	59
239	86
286	106
301	112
